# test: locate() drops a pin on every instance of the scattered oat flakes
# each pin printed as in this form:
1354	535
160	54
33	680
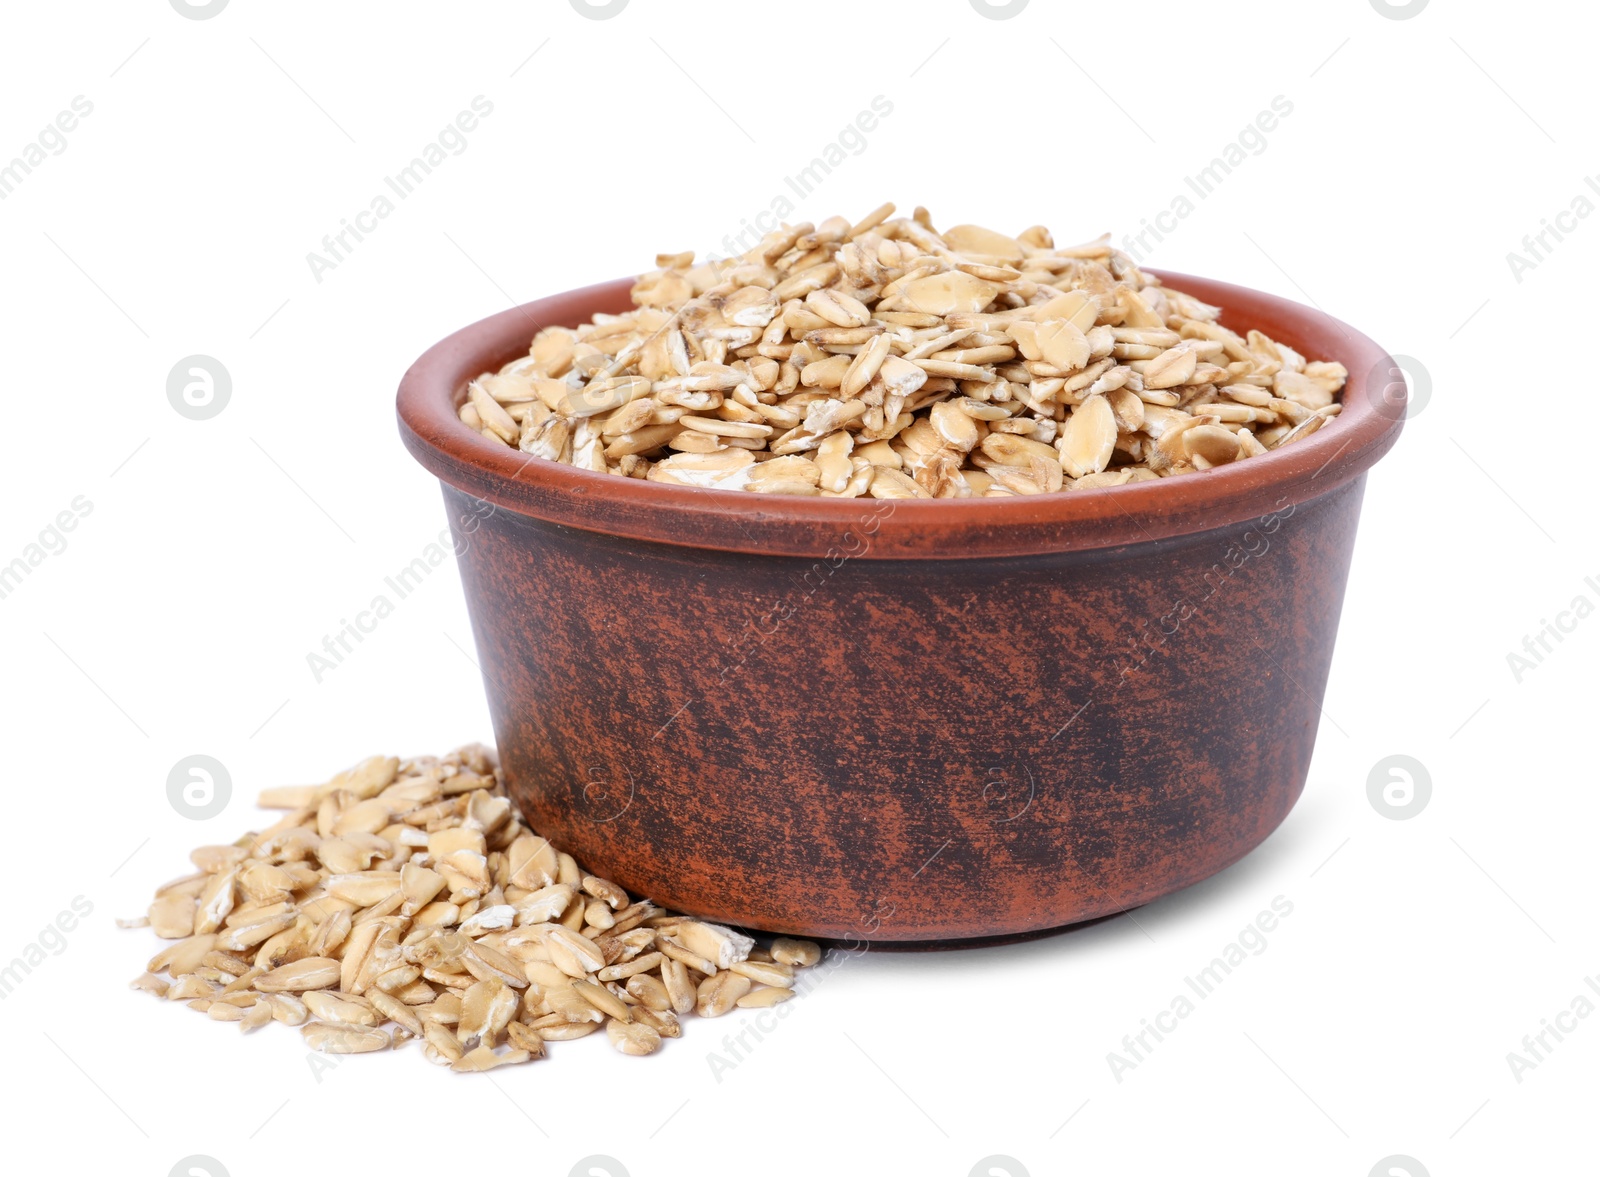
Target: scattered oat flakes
406	899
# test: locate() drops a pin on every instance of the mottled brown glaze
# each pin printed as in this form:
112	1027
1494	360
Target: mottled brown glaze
905	721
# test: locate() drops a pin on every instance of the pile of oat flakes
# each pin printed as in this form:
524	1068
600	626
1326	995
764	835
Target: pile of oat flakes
885	358
407	900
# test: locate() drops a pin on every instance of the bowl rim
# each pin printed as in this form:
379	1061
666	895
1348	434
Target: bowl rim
837	528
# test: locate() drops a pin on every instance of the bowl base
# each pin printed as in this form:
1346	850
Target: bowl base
963	942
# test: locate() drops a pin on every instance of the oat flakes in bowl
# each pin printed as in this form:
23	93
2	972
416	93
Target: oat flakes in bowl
886	359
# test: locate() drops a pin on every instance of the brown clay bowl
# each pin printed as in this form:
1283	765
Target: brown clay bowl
905	721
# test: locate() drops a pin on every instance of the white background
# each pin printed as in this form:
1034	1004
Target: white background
218	553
